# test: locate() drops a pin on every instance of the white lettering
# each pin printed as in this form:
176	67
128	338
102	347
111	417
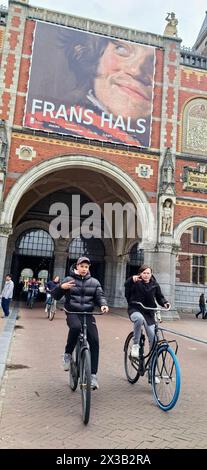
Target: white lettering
119	123
88	119
62	112
36	106
48	108
105	117
141	126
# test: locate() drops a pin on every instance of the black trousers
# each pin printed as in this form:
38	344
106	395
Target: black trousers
74	324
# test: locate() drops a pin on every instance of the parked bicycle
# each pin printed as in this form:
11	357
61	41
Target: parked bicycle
50	307
80	366
160	362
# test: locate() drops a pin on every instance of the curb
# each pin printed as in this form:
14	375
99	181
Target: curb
5	340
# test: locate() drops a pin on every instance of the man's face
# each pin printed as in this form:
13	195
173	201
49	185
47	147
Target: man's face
82	269
125	78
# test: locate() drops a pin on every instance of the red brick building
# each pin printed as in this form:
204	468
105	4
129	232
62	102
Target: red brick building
55	149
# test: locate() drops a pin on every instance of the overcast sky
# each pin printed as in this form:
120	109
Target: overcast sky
144	15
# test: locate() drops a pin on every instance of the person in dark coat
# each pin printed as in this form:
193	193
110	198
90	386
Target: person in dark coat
143	288
82	292
202	306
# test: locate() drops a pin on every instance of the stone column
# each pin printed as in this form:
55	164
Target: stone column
115	276
164	269
61	254
5	231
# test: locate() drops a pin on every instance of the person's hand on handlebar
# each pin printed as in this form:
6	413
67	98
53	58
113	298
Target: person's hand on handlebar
104	309
167	305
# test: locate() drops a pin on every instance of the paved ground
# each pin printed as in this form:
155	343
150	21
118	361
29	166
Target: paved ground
38	410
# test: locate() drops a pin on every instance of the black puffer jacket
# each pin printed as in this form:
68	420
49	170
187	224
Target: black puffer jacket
83	297
146	293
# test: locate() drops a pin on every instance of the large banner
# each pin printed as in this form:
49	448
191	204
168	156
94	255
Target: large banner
91	86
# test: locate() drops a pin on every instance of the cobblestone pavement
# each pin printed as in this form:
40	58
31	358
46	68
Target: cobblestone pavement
38	409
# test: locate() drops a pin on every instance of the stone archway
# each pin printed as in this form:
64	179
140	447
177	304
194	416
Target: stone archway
187	223
111	171
105	171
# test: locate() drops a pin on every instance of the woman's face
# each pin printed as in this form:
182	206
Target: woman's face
124	79
146	275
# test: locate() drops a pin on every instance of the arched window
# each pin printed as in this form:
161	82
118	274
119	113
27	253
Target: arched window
35	243
92	247
195	127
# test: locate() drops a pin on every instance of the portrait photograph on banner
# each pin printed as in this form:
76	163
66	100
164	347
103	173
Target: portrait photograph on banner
91	86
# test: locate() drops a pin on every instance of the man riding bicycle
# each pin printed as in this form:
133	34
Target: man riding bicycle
82	292
33	289
50	286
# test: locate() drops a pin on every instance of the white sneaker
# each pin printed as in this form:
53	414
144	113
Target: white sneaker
135	351
45	309
94	382
66	361
157	380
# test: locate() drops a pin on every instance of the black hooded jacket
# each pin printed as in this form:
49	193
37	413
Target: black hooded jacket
146	293
83	297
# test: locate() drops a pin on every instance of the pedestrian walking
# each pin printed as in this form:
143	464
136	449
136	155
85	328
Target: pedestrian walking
202	306
7	294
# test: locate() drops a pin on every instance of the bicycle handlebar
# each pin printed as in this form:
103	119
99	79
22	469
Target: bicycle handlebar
158	308
81	313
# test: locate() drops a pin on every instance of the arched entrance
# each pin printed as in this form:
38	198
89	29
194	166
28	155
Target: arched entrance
101	182
34	253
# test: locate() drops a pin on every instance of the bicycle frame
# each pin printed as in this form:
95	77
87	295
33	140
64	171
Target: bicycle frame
156	344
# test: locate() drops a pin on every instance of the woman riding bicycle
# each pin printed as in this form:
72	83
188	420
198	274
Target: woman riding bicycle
143	288
82	292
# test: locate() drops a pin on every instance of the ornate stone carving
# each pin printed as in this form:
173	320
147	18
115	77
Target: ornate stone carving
144	171
166	214
5	230
171	27
25	152
195	127
167	178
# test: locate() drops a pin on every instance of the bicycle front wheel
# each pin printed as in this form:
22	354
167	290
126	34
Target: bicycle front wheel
52	311
74	369
165	377
85	384
131	364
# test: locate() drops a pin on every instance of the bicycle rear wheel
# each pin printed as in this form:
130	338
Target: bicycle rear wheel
165	377
131	364
85	384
